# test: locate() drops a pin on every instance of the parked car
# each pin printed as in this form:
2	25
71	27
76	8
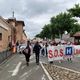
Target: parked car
22	47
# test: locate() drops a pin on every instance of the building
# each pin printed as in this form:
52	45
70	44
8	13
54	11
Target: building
24	37
11	30
77	37
5	34
18	25
19	30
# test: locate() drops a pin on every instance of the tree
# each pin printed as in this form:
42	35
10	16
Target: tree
45	32
62	22
75	29
75	11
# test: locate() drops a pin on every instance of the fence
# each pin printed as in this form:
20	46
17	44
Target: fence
4	55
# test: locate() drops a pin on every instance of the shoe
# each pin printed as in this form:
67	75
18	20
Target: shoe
37	63
27	63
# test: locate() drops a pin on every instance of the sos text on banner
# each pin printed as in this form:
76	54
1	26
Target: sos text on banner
58	52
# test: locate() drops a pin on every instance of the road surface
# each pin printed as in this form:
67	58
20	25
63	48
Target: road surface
16	69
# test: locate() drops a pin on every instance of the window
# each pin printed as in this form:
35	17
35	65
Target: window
0	36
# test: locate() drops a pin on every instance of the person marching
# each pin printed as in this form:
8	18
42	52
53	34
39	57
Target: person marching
46	45
27	52
36	50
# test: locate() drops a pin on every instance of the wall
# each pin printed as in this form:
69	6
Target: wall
6	32
19	30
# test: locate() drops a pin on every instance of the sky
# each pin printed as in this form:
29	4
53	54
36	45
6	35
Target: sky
34	13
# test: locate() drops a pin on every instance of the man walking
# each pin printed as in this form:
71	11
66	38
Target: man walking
36	50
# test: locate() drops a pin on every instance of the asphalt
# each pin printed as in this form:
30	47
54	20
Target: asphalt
15	68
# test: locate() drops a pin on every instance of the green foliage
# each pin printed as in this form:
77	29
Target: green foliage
45	32
75	11
75	29
60	23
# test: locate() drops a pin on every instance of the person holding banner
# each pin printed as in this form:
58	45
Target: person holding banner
43	50
46	45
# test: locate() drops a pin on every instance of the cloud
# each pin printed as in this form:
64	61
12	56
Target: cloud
35	13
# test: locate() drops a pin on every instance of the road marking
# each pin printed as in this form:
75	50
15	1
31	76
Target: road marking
43	77
26	74
23	67
15	71
50	78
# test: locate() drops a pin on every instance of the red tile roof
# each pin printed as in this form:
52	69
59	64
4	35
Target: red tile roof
77	34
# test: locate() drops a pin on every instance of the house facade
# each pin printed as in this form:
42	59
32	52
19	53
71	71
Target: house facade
24	38
5	34
11	30
18	29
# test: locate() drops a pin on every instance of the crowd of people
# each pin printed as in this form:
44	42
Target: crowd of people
38	48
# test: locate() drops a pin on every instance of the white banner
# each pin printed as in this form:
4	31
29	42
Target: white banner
59	52
50	53
55	53
77	51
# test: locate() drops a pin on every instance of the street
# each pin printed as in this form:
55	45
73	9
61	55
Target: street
16	69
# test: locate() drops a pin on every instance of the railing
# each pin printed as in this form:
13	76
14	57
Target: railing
4	55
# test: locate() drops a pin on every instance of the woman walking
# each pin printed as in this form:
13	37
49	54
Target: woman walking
27	53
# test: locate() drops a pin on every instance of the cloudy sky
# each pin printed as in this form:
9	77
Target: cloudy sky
35	13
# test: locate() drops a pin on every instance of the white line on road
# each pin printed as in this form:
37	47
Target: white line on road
23	67
50	78
15	71
27	74
24	75
43	77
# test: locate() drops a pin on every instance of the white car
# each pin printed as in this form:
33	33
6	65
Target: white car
22	47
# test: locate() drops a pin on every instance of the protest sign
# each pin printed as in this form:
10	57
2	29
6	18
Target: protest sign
77	51
55	53
59	52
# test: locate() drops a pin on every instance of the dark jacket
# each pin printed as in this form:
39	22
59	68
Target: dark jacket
36	48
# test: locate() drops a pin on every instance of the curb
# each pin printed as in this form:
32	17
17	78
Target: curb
48	75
